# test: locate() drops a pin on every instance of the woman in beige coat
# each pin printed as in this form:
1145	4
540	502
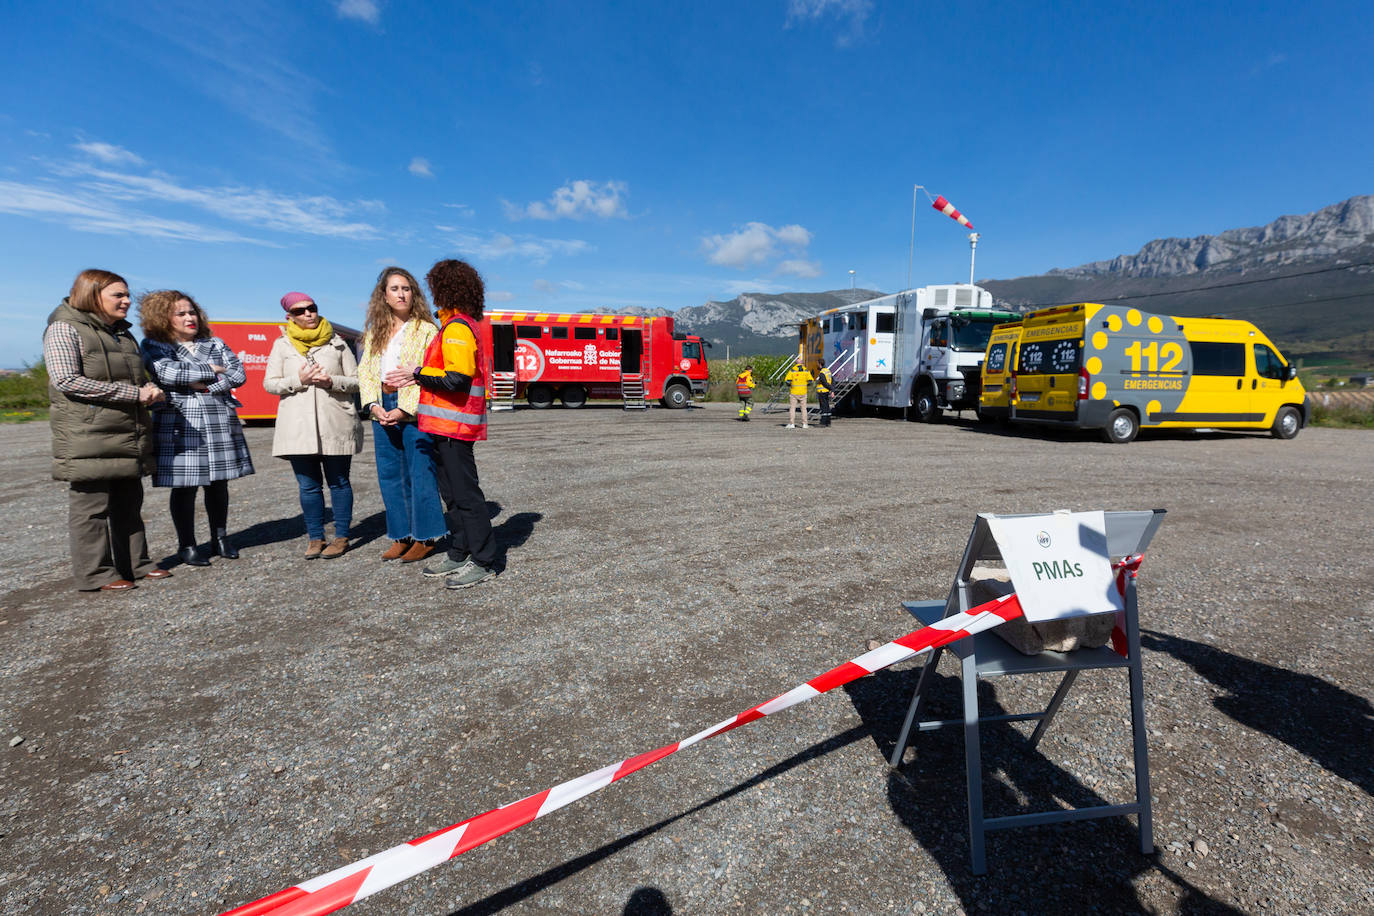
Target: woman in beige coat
314	373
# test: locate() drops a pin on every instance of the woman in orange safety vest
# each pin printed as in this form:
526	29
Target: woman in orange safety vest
453	411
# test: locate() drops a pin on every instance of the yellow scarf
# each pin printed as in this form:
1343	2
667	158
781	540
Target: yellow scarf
304	340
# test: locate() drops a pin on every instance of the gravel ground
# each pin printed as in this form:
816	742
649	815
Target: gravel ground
212	738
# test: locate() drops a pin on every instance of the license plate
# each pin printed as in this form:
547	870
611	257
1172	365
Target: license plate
1030	396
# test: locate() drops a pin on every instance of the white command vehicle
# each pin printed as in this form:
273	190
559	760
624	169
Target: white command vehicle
920	349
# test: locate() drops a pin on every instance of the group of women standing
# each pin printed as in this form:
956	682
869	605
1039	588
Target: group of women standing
120	411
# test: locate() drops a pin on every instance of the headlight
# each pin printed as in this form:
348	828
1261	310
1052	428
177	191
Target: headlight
955	391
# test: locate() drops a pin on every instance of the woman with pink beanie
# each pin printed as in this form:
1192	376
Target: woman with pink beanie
313	371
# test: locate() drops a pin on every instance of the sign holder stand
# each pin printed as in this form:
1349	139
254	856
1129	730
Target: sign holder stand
986	655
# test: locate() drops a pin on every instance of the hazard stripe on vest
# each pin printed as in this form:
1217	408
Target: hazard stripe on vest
456	416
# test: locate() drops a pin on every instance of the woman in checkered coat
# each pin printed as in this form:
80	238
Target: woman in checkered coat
197	435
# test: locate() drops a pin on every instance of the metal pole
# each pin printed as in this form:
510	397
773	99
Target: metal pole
911	252
972	253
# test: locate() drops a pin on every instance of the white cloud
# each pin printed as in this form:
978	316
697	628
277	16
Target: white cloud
1275	59
576	200
363	10
754	244
88	212
312	215
242	56
799	268
853	13
544	286
500	295
794	236
420	167
108	153
739	287
464	210
498	245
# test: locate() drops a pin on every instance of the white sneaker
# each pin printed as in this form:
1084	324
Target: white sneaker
791	426
804	426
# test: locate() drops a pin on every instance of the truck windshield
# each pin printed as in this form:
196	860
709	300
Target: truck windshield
972	333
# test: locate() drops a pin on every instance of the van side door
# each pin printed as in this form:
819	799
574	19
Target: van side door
1219	391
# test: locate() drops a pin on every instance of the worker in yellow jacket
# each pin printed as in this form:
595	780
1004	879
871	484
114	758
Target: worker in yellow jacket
797	380
744	386
824	383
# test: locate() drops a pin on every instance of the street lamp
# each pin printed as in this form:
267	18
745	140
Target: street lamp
851	279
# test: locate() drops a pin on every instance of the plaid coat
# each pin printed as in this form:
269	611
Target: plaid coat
197	435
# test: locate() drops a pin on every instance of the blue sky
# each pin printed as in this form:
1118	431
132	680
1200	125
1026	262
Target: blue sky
584	154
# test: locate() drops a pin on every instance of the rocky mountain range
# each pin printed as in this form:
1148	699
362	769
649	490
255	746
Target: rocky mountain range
1287	240
1307	280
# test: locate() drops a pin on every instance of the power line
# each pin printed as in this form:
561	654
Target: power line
1200	289
1282	305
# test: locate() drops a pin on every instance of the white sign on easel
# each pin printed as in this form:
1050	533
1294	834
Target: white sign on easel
1058	563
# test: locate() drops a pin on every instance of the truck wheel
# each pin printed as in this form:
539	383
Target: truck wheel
1286	423
573	396
540	397
677	396
1122	425
925	408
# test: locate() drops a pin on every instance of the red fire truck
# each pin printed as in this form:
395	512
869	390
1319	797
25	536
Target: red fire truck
574	357
252	341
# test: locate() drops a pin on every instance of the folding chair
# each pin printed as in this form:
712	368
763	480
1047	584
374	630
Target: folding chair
987	655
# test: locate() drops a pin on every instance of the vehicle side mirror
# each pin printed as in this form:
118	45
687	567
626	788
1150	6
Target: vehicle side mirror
1289	373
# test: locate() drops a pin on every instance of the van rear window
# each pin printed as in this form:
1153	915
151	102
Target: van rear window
1218	358
997	357
1050	357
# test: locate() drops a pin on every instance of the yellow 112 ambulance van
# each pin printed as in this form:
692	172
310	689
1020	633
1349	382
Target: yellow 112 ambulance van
1118	369
994	403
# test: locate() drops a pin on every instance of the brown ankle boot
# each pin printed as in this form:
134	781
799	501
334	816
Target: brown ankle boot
313	549
336	548
398	549
418	551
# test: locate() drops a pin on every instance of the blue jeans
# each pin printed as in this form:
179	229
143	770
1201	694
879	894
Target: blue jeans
312	472
405	475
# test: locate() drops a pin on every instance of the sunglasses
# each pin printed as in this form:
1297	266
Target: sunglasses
305	308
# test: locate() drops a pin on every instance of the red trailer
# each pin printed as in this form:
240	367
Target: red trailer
252	341
574	357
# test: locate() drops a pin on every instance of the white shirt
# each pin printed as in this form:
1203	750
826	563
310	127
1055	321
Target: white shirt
391	356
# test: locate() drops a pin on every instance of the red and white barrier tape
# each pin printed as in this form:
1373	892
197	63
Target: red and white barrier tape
339	888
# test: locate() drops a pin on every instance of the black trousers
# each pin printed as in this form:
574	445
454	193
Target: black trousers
824	397
465	508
